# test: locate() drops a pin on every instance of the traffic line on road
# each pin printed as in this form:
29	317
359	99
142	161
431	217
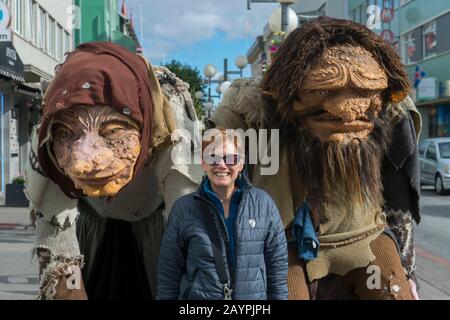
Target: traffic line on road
14	226
432	257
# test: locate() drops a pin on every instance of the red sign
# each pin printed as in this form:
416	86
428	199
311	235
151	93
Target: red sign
387	35
387	14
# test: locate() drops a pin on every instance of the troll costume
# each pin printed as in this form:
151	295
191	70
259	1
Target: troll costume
101	179
348	158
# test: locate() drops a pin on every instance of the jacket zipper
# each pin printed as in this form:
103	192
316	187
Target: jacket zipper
224	232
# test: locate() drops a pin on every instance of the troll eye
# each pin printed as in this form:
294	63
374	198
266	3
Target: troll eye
63	133
321	93
111	131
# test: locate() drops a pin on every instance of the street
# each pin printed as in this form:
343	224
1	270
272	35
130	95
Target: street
432	238
19	272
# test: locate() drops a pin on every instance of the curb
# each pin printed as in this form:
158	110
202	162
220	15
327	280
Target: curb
15	226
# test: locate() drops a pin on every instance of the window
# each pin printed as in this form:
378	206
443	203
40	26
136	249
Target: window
403	2
444	150
59	43
30	23
52	37
42	43
431	152
19	14
8	3
429	39
67	43
410	48
422	148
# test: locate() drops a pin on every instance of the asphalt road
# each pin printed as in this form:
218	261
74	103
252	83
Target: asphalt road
432	239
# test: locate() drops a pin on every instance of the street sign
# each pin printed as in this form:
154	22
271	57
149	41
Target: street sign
387	14
387	35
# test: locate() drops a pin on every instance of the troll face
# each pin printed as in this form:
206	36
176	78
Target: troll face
96	147
341	95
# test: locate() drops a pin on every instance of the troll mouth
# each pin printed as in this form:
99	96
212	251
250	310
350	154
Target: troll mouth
103	180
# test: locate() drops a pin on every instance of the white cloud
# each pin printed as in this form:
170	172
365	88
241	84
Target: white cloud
171	24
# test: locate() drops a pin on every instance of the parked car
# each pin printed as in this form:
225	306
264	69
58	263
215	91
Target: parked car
435	163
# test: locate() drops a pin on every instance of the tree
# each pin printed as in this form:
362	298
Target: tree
192	76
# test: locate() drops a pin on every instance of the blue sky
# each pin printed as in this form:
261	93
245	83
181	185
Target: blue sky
198	32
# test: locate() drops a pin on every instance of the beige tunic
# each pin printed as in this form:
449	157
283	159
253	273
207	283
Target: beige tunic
243	108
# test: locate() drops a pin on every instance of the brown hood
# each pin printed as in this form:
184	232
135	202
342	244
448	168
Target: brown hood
99	73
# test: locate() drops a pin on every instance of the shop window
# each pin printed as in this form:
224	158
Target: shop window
410	48
429	39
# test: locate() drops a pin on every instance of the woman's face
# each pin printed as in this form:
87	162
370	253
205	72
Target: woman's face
222	165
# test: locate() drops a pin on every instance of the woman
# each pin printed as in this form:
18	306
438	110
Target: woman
226	240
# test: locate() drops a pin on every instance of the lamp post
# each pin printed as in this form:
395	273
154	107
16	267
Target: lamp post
284	13
283	19
241	62
209	71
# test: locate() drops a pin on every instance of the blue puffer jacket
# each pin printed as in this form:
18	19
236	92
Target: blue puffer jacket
186	267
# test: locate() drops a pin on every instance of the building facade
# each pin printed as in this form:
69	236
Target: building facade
101	20
259	52
418	31
32	43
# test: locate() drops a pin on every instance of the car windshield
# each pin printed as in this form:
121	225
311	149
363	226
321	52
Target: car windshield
444	150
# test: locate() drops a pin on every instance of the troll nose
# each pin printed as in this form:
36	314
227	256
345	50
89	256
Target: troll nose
89	155
81	167
346	107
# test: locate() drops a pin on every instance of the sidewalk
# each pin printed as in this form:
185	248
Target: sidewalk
18	269
14	219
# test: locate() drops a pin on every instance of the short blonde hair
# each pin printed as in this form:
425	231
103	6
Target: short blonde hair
227	135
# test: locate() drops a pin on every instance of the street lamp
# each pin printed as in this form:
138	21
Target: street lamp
224	86
199	95
208	107
209	71
241	62
278	24
284	15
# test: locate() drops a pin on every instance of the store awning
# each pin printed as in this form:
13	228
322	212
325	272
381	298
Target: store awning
11	66
442	100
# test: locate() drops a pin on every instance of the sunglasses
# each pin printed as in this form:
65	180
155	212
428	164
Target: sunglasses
229	159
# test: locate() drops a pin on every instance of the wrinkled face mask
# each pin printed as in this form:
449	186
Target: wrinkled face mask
96	147
341	95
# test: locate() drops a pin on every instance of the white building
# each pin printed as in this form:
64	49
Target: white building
306	10
40	36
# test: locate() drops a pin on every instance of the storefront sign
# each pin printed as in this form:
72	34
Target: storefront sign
11	65
387	35
387	14
428	89
5	20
